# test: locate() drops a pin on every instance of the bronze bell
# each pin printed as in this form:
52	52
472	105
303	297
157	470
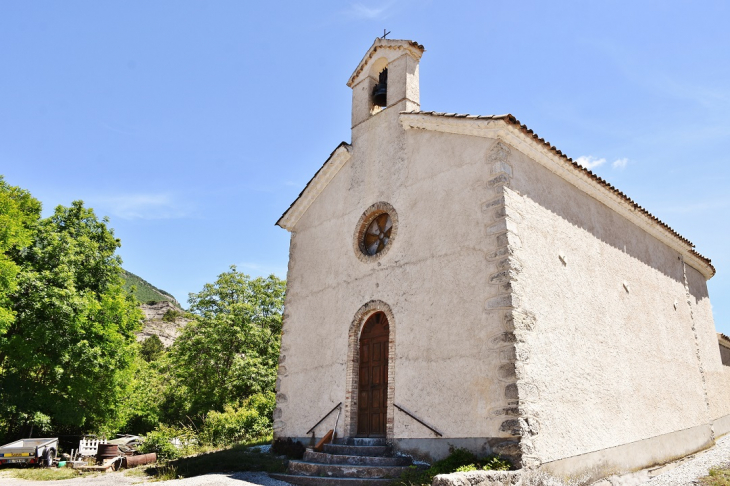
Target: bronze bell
380	92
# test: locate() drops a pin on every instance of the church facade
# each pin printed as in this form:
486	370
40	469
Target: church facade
455	280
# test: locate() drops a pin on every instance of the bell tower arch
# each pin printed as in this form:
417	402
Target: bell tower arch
386	77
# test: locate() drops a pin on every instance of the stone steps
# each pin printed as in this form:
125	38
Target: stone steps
350	461
324	458
344	470
355	450
315	481
361	441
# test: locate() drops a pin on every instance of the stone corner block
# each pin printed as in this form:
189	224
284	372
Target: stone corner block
502	167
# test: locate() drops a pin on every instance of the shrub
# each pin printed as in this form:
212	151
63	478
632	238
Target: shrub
161	441
458	460
170	315
288	447
251	420
151	348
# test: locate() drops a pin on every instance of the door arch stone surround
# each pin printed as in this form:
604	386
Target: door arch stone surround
353	363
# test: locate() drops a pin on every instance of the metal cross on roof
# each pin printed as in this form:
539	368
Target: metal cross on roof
384	34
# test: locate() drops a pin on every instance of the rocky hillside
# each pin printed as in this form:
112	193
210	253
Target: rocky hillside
163	319
163	315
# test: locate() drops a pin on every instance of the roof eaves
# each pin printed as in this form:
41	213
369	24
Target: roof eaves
344	145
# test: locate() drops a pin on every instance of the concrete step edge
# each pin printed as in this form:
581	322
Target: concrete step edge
331	481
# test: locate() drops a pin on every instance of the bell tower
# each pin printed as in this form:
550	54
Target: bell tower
387	77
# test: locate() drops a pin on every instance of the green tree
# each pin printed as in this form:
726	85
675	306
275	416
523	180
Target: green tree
151	348
68	353
19	213
230	350
144	396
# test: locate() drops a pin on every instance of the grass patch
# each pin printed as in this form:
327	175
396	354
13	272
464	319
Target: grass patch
458	460
137	472
717	477
45	474
235	459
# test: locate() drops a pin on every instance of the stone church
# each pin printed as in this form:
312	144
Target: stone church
455	280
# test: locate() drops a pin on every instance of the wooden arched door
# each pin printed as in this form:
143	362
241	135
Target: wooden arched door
372	403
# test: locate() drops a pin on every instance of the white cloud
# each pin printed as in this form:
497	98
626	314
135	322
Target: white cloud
360	11
143	206
589	161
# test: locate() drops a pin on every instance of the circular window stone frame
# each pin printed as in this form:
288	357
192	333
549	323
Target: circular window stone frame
366	218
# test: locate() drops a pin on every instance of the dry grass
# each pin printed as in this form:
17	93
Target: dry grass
45	474
717	477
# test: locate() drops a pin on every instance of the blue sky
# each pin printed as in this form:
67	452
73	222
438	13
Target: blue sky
193	125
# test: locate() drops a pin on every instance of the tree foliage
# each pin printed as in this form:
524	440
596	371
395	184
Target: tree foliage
68	352
151	348
230	350
19	213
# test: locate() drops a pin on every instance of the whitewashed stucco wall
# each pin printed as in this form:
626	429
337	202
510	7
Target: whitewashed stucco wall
611	365
434	278
717	376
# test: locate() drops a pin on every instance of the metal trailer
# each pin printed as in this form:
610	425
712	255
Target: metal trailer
30	451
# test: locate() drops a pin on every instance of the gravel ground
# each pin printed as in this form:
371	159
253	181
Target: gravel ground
689	470
239	479
120	478
684	472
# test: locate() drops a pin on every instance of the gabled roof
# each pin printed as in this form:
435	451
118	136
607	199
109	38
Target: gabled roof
608	194
415	49
314	187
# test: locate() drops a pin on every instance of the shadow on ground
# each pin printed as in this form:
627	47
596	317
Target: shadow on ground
238	458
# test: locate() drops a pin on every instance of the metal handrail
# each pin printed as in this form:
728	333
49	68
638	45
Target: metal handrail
322	419
433	429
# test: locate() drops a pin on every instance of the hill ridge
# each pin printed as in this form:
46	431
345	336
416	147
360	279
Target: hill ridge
146	292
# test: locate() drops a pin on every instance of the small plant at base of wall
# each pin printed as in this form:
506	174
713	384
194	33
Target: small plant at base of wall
458	460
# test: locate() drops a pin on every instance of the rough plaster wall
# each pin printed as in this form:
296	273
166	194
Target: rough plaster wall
435	278
610	358
717	376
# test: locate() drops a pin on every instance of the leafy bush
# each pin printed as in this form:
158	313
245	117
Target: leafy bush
251	420
151	348
170	315
458	460
288	447
161	441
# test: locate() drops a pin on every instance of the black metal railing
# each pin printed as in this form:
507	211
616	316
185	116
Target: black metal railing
326	415
431	428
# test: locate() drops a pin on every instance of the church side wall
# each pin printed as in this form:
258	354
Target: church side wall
451	366
717	375
611	357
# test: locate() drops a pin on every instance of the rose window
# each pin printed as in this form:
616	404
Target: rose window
377	234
